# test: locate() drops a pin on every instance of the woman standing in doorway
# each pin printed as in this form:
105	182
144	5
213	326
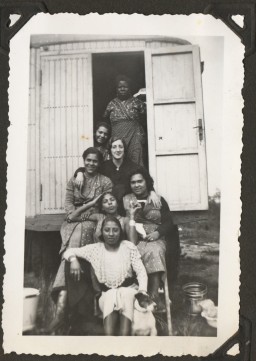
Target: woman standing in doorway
126	114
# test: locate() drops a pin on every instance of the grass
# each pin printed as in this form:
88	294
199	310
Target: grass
197	266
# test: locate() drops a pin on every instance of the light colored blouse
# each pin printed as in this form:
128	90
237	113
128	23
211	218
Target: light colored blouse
112	268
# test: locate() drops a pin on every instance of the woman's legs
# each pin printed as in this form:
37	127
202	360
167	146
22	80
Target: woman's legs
110	323
60	315
154	280
154	283
125	326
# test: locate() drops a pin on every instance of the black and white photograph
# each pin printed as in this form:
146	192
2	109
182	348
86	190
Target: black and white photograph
126	226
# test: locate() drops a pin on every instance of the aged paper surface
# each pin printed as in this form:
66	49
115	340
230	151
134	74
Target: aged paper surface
224	145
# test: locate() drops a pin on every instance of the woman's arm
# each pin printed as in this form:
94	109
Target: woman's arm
75	215
81	252
71	255
154	198
166	225
79	170
107	185
79	176
69	199
106	115
130	224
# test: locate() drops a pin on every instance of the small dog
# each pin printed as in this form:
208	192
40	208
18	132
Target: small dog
144	323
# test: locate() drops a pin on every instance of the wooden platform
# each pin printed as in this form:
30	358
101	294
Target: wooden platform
52	222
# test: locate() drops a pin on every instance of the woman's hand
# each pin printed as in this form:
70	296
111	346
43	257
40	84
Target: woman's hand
133	208
155	199
75	269
79	181
154	236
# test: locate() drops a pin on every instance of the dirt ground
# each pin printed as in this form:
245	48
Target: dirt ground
199	262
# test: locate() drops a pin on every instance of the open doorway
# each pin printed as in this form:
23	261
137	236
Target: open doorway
105	68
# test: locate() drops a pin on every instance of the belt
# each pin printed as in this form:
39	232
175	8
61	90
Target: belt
127	282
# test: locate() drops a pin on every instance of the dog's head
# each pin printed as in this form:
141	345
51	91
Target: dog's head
145	302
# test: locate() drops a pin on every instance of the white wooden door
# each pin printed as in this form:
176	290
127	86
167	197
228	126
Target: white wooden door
66	124
177	157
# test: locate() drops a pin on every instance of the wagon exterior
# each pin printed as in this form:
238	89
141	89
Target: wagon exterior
70	84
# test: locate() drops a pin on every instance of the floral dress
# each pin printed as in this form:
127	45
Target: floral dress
125	118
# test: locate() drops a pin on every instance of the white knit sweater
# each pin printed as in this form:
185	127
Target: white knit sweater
112	268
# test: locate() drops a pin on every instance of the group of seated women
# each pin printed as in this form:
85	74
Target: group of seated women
114	235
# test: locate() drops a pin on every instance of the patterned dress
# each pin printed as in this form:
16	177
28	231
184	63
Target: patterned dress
78	234
112	269
153	219
125	117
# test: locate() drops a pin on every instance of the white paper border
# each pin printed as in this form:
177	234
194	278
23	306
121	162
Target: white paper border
167	25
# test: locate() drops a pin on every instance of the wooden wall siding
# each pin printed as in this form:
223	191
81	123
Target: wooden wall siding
177	157
65	126
33	184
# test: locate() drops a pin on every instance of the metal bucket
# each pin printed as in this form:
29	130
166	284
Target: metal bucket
30	302
194	293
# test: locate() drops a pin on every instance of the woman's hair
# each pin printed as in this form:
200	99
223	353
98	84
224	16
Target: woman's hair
122	77
111	219
105	125
145	174
102	198
114	139
93	150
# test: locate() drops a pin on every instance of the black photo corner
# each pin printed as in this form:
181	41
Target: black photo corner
223	10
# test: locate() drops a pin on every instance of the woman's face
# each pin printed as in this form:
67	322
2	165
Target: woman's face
138	185
123	89
101	135
91	163
109	204
111	234
117	149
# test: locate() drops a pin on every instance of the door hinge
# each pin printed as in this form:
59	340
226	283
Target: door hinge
41	192
200	129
